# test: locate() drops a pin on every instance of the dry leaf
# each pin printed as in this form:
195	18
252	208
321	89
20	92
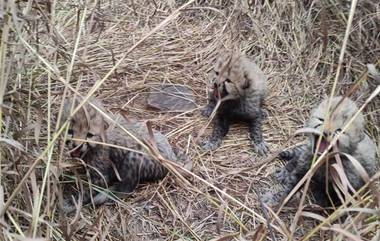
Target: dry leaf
13	143
359	168
313	215
307	130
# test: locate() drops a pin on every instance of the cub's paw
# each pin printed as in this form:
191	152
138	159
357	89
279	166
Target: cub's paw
206	112
272	198
264	114
261	148
183	159
285	155
211	145
280	175
68	206
101	198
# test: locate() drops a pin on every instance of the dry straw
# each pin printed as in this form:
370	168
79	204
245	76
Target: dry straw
117	51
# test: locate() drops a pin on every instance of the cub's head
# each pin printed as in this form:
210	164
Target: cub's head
228	76
338	117
85	125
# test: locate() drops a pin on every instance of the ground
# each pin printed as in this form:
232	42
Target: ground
96	48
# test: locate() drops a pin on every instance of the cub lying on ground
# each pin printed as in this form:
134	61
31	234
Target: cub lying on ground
118	169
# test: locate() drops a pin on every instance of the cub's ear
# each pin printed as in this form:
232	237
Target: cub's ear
106	125
246	82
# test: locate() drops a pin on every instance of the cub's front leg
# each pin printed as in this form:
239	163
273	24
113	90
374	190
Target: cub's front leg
287	180
208	109
297	164
220	130
256	135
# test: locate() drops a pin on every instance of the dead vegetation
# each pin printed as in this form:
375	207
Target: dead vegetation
117	51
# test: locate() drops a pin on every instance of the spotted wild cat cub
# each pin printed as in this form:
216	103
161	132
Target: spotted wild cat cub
243	86
354	141
110	167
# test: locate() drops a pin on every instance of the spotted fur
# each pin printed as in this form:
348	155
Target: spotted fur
241	81
109	167
354	141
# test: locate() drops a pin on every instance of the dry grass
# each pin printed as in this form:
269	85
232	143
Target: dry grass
117	51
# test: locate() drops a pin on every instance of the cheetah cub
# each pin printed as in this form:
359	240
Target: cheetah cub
354	141
120	170
242	86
